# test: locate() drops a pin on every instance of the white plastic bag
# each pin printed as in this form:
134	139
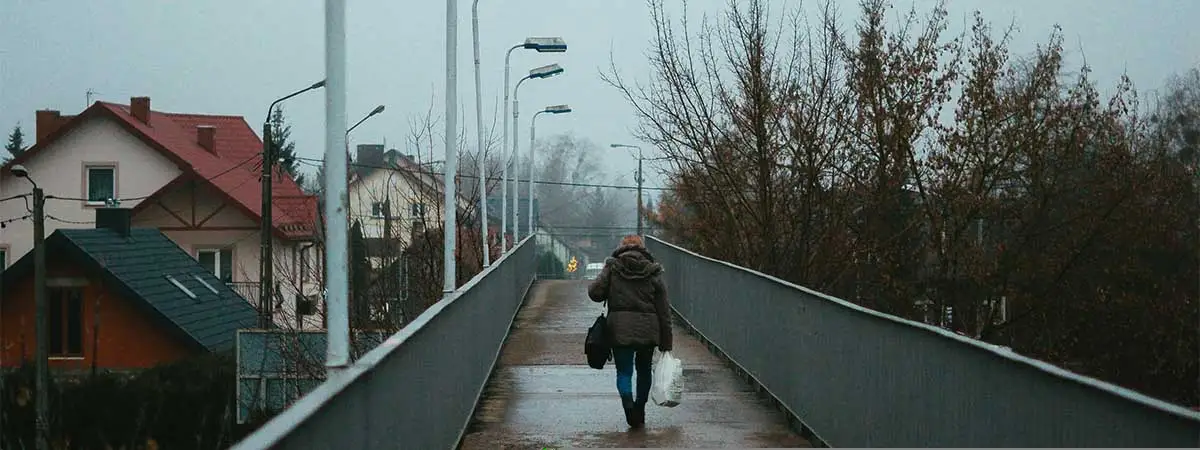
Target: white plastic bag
667	388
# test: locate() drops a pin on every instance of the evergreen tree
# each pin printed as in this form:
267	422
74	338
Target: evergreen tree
281	144
16	142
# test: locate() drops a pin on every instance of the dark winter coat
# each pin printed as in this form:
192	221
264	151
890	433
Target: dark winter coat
639	314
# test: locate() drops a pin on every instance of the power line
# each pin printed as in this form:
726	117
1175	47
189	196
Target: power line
72	222
4	223
316	161
21	196
131	199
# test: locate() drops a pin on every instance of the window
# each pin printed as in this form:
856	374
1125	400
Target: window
66	321
418	210
205	284
219	261
101	184
184	289
379	209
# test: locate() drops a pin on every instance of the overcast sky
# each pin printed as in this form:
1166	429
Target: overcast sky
236	56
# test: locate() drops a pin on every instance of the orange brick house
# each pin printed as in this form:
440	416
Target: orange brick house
120	298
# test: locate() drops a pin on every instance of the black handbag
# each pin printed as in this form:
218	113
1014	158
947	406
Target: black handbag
597	345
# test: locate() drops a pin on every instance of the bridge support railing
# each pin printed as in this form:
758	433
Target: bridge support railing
419	388
859	378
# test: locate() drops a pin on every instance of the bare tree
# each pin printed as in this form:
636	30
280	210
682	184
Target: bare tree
1038	215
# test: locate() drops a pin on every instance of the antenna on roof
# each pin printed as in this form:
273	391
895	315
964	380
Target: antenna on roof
90	94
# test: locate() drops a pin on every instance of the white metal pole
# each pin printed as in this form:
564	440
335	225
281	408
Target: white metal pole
516	114
451	172
337	261
483	217
532	133
505	156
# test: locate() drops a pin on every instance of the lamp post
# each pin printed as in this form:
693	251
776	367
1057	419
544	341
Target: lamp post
541	45
556	109
639	183
337	260
450	207
266	265
537	73
42	398
377	110
483	219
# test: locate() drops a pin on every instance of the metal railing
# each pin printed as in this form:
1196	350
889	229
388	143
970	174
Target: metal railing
247	289
859	378
419	388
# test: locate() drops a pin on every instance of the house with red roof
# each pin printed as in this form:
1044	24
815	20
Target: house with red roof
194	177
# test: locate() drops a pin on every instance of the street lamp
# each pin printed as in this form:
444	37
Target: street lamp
540	45
42	399
639	183
487	257
542	72
556	109
266	266
377	110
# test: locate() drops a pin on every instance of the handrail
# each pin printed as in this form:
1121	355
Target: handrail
291	419
922	374
1043	366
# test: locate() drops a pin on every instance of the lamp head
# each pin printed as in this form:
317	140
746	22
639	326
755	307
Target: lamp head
318	85
546	44
377	110
546	71
557	109
20	171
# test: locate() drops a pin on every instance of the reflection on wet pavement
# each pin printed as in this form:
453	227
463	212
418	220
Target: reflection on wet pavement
542	393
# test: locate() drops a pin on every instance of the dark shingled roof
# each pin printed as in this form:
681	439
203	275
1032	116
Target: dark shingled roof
137	267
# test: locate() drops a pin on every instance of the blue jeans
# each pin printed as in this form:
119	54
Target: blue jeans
626	358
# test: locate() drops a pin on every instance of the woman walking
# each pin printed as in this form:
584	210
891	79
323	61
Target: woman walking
639	319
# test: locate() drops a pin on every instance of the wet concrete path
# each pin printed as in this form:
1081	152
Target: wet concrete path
544	395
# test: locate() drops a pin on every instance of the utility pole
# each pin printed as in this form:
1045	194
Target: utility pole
266	264
639	182
639	193
42	400
265	277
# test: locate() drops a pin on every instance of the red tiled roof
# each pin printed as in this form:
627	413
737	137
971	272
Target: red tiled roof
233	169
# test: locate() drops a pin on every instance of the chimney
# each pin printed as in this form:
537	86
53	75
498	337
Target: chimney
370	155
48	121
206	136
116	219
139	107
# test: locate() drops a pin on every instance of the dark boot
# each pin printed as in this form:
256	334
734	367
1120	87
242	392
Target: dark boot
639	415
628	404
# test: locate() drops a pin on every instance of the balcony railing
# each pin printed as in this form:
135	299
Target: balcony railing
247	289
